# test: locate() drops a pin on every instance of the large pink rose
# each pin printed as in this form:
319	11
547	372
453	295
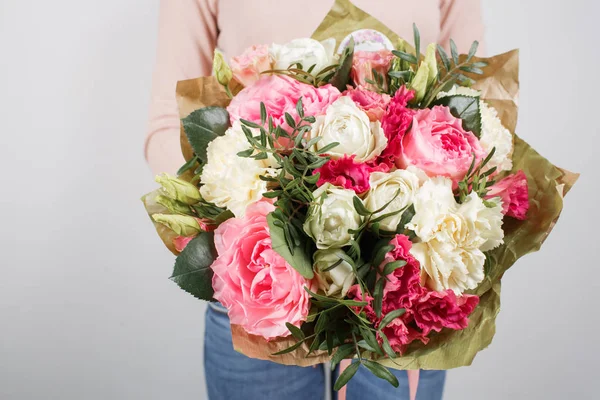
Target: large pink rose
364	62
426	310
373	103
514	192
438	144
247	67
280	95
345	172
260	290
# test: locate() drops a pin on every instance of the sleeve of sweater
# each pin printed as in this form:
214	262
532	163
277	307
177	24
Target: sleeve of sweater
187	36
461	21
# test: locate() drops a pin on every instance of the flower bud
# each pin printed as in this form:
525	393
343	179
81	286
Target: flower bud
431	62
174	206
182	225
178	189
426	74
221	69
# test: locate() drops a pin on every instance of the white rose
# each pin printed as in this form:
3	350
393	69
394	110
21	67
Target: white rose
348	125
444	266
229	180
329	220
454	236
400	185
333	282
307	52
493	133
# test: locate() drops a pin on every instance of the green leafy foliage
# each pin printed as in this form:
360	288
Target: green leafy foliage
203	126
192	270
341	78
299	255
465	108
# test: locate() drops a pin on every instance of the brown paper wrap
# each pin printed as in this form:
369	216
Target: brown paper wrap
548	185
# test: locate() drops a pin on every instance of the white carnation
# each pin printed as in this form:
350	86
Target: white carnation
349	126
229	180
305	51
493	133
454	236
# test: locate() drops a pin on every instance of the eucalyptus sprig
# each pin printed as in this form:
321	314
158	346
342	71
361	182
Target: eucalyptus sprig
477	181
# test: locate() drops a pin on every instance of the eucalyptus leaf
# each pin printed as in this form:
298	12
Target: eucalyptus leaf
192	270
203	126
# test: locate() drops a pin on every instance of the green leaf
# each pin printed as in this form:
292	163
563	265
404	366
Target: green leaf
454	51
371	340
341	78
360	207
389	317
444	57
465	108
328	147
301	259
300	108
342	352
378	296
289	349
187	166
192	270
473	50
203	126
381	372
246	153
405	56
381	251
296	332
407	216
387	347
345	376
263	113
392	266
363	343
417	40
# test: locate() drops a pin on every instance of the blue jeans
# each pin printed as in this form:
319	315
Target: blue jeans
231	375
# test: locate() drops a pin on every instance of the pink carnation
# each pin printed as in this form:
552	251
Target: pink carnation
426	310
345	172
395	123
260	290
438	144
373	103
280	95
247	67
514	192
364	62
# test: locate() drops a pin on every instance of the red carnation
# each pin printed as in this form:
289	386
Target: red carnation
514	192
346	173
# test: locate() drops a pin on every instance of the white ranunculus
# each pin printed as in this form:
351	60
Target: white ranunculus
446	267
493	133
403	184
307	52
229	180
334	282
349	126
454	236
333	215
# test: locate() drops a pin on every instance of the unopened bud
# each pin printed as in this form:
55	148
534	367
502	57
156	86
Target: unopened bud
221	69
174	206
183	225
178	189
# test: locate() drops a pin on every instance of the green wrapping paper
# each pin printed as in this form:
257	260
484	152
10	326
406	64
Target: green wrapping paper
548	185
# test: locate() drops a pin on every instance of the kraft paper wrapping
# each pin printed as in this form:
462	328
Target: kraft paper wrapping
548	185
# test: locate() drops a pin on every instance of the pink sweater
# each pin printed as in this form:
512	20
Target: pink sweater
189	30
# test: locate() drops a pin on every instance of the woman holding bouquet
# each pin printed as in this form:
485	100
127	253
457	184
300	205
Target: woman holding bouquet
189	32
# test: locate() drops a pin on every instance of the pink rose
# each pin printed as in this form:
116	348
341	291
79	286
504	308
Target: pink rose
280	95
438	144
395	123
426	310
373	103
514	192
364	62
247	67
345	172
260	290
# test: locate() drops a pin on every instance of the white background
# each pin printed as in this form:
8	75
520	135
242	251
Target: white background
86	310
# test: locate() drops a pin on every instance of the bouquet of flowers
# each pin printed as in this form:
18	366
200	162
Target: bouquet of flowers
346	196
